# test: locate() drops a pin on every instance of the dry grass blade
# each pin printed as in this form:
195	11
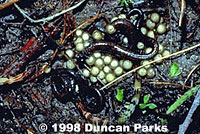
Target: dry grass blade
7	4
168	83
154	61
50	17
183	7
196	67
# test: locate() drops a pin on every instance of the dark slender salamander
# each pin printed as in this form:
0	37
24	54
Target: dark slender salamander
134	35
114	49
140	17
64	84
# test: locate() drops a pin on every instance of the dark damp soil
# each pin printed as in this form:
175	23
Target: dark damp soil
25	105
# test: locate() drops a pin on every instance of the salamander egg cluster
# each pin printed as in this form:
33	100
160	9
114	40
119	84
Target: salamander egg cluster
81	40
105	67
148	71
154	25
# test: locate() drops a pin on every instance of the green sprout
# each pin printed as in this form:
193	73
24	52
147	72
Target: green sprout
145	104
182	99
120	94
174	70
126	2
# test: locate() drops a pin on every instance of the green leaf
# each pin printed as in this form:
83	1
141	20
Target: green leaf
174	70
164	121
142	106
151	105
182	99
126	2
146	98
120	94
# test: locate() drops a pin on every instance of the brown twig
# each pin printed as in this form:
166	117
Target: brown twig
42	70
183	7
64	21
154	61
50	17
168	83
9	3
82	25
196	67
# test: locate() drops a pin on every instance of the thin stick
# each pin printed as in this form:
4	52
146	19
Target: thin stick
183	127
137	68
42	70
50	17
82	25
9	3
197	66
183	7
168	83
170	24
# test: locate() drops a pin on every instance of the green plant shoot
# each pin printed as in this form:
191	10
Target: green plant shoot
126	2
182	99
120	94
145	104
174	70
